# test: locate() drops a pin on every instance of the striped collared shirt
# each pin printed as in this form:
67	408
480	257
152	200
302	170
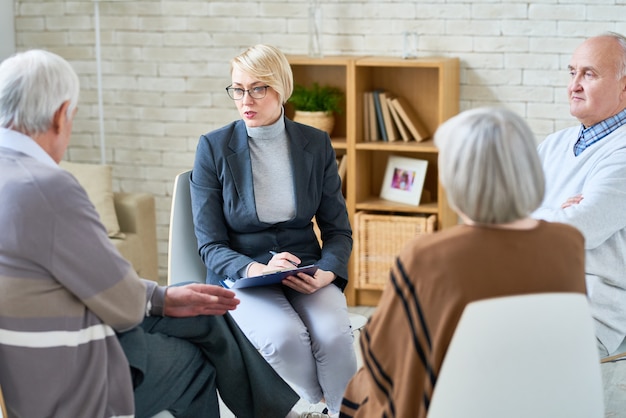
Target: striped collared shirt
593	134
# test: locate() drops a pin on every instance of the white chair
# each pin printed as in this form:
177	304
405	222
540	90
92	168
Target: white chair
184	264
520	357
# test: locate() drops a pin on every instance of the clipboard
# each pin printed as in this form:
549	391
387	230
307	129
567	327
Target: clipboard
267	279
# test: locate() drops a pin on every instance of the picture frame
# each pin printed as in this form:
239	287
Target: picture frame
404	180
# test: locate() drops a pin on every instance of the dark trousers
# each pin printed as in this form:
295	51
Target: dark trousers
178	362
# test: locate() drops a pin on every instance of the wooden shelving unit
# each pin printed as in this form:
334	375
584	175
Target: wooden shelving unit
430	85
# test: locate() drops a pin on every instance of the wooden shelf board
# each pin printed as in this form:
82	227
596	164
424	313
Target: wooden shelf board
372	286
377	204
339	143
323	61
367	297
411	146
428	62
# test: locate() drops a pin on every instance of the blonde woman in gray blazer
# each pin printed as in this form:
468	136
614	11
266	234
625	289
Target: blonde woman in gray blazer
255	186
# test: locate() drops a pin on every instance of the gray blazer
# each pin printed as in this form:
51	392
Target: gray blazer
229	233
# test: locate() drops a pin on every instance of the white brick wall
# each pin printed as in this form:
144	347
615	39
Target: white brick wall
165	63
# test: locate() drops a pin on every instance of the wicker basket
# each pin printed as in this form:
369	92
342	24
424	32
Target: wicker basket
379	239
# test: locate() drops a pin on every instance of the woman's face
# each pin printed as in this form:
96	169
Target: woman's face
256	112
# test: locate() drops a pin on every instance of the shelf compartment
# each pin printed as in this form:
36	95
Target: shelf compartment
429	85
379	239
330	71
370	172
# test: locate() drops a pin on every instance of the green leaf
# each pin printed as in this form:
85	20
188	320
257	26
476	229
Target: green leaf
316	98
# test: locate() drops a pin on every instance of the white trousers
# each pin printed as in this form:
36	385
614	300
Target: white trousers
306	338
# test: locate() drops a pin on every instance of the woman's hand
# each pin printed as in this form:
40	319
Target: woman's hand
300	282
279	261
283	261
304	283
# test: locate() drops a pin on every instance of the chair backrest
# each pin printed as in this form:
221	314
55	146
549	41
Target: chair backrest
519	357
184	263
3	407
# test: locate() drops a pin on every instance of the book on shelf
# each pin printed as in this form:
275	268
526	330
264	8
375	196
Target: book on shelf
373	128
367	133
410	119
402	129
390	126
379	115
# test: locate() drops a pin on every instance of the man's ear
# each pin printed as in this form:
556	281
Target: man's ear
60	117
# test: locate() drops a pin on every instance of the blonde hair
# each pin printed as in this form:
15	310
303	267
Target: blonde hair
489	165
268	65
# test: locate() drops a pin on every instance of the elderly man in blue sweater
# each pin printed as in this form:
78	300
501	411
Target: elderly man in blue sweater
585	168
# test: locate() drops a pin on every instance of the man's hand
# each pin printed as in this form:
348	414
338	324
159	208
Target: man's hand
198	299
574	200
304	283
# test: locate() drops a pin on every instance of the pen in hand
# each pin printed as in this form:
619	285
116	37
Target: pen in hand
292	262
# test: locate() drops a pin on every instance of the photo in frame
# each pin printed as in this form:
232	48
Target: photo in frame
404	180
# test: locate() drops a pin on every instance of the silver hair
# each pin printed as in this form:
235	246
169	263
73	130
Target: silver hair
489	165
269	65
33	86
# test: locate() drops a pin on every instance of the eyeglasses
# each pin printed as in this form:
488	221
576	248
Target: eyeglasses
237	93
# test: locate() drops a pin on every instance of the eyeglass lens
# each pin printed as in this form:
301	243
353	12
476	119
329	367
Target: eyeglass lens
237	93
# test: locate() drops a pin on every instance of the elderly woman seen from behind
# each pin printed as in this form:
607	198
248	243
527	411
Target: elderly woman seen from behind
489	167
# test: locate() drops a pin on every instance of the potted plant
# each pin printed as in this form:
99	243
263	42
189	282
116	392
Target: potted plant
316	105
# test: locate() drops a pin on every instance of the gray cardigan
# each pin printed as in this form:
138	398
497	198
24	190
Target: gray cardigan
65	292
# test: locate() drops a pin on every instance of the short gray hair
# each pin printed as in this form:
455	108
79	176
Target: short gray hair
269	65
489	165
33	86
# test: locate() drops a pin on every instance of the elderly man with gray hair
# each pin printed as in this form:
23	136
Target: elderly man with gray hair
585	169
80	334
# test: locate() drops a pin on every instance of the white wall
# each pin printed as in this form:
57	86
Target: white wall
165	63
7	29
